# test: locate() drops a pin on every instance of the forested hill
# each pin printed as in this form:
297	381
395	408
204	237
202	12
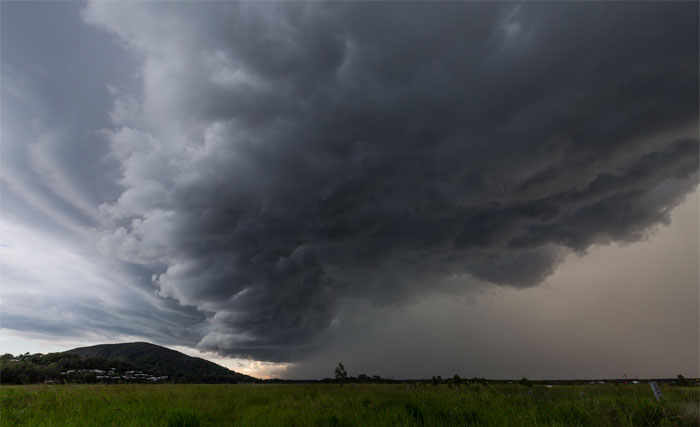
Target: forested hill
163	361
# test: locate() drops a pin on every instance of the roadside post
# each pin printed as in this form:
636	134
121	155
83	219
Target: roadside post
657	391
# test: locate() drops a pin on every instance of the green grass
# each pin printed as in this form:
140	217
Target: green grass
350	405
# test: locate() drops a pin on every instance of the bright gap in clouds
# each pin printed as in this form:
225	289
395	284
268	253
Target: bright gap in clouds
59	292
254	368
12	342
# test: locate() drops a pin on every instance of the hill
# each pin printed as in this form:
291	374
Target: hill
159	360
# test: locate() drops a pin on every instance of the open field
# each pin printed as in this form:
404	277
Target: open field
349	405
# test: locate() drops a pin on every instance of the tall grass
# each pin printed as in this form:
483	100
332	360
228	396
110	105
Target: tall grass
351	405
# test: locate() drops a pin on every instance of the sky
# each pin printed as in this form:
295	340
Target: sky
499	190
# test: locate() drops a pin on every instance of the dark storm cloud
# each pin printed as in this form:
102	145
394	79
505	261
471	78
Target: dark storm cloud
287	158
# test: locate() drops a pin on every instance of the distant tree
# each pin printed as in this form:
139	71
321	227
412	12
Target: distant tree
340	374
681	380
456	380
7	356
525	382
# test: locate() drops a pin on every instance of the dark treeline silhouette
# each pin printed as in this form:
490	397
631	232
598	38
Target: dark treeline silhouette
148	363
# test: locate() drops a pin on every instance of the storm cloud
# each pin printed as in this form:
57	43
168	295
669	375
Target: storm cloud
279	161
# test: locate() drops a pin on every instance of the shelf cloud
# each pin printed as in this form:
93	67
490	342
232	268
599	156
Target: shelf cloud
277	162
288	157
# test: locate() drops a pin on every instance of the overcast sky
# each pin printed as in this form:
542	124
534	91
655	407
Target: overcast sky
415	189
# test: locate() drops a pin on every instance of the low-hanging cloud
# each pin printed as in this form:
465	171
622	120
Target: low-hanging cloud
281	159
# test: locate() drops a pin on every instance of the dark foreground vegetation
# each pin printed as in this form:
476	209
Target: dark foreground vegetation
419	404
137	384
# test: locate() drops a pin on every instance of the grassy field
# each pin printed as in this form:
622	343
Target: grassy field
350	405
